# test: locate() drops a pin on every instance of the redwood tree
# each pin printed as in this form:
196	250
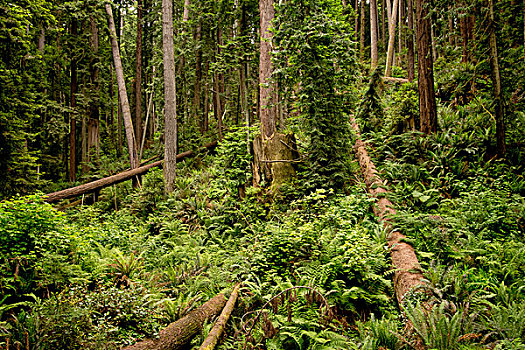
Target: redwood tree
496	83
268	110
425	69
373	33
170	104
123	95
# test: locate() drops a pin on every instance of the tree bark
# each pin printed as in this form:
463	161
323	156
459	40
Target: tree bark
270	145
73	105
425	68
451	29
93	125
205	117
217	111
42	40
383	23
496	84
213	337
356	21
467	27
170	104
410	41
123	96
373	35
196	105
115	179
186	13
363	32
138	76
83	146
268	108
391	38
401	33
148	112
179	333
408	274
433	40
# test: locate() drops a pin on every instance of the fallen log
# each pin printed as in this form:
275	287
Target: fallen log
408	274
396	80
114	179
180	332
213	337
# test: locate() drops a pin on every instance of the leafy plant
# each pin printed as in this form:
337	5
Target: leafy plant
439	328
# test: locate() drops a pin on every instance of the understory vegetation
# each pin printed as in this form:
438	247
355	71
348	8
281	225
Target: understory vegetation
293	222
314	264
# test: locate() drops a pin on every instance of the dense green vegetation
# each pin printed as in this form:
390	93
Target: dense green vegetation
106	271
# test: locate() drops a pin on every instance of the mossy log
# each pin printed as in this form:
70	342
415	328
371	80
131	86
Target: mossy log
408	274
114	179
213	337
180	332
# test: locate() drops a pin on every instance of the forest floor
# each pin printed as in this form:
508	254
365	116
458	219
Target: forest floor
314	263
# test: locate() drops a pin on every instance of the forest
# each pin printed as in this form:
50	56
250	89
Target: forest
241	174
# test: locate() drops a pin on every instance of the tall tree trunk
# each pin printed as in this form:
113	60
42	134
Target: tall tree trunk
243	87
205	117
268	110
83	147
222	98
410	41
383	22
42	39
467	27
111	125
401	35
373	34
269	146
138	76
363	32
433	40
391	38
73	105
356	21
427	99
123	96
451	28
217	111
196	105
184	111
170	104
148	112
496	83
93	127
186	13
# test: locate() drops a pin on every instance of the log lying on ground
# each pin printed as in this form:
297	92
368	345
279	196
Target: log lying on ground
213	337
396	80
408	271
114	179
180	332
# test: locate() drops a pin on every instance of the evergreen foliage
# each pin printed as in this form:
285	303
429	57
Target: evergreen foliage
312	258
316	64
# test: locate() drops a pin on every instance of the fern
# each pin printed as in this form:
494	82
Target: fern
437	328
